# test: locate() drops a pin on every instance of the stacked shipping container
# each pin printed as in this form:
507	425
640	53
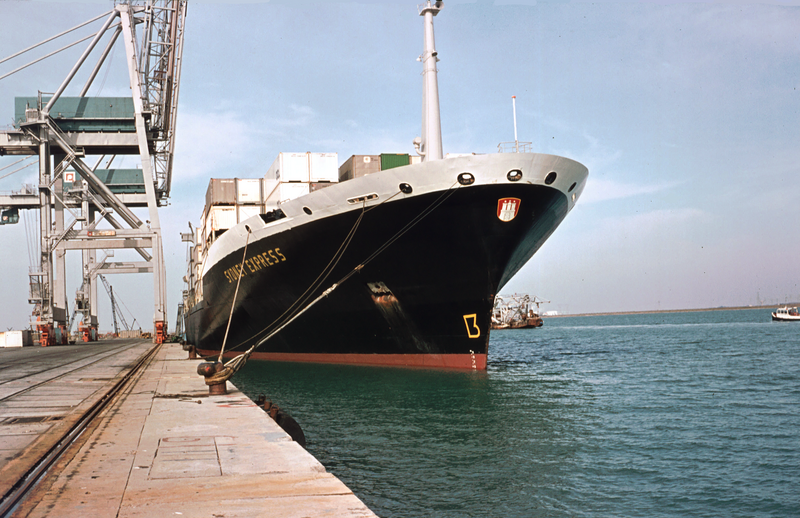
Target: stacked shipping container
361	165
232	200
229	201
292	175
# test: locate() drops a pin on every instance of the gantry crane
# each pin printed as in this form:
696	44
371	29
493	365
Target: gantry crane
75	197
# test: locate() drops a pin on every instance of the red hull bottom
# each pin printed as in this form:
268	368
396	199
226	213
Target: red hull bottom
441	361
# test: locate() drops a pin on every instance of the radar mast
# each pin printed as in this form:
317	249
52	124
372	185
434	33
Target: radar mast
429	146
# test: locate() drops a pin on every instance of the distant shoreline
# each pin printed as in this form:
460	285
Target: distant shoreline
655	311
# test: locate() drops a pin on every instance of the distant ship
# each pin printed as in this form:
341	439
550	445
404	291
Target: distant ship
397	267
516	312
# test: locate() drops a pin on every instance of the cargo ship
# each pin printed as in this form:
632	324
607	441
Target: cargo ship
387	260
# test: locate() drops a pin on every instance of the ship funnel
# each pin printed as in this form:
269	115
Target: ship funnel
429	146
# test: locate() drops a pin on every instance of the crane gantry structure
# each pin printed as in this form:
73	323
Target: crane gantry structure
81	205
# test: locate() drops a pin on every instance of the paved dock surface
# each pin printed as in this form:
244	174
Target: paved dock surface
163	447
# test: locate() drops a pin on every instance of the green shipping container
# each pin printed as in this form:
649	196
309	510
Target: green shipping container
119	181
392	160
83	113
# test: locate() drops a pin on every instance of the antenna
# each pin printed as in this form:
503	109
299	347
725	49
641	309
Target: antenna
516	146
514	107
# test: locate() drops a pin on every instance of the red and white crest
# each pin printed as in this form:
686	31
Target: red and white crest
507	208
69	176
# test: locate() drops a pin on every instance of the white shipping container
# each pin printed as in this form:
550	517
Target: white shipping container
220	217
268	186
248	191
16	338
206	226
288	191
244	212
323	167
289	167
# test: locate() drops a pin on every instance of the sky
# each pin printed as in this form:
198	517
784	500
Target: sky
686	115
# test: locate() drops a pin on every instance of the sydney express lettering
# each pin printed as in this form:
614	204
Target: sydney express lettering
255	264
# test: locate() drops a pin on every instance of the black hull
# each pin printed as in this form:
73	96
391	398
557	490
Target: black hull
440	278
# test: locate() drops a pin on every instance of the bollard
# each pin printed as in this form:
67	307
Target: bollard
159	336
208	370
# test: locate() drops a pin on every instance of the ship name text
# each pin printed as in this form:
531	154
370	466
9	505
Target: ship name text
255	264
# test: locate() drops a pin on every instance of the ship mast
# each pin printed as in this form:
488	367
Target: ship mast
429	146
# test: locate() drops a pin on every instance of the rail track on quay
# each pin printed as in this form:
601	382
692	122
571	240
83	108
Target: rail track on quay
42	375
8	392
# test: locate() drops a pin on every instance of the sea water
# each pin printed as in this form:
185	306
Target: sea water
668	414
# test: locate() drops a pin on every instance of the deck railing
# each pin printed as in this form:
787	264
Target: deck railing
514	147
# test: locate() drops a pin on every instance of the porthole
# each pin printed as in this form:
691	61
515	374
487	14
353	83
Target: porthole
550	178
406	188
307	210
466	179
514	175
571	187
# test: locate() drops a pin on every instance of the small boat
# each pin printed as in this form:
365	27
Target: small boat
516	312
786	314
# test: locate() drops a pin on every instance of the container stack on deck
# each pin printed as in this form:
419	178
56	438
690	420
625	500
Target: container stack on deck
295	174
361	165
232	200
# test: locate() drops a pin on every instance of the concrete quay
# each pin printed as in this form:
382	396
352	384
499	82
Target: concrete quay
162	447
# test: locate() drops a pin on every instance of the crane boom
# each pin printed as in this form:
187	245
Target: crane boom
115	309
